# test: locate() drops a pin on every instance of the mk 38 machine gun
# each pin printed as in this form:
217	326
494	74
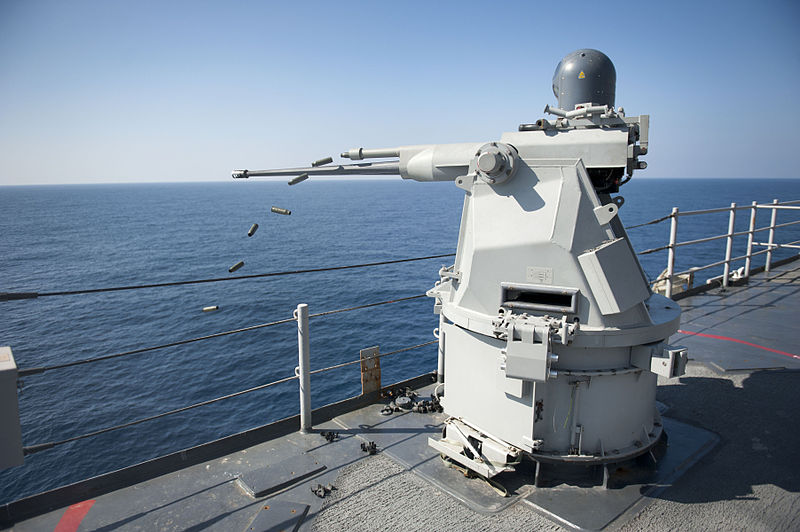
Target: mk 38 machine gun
549	337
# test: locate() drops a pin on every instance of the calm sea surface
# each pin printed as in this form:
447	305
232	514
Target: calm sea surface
58	238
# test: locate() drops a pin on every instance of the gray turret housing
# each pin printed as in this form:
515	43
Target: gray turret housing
585	76
550	339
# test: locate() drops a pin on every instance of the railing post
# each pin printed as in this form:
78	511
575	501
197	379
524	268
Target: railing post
772	221
673	239
750	232
301	314
729	246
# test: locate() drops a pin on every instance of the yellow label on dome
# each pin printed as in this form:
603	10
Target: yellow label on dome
581	75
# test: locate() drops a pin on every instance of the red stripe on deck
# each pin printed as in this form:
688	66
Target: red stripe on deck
717	337
72	518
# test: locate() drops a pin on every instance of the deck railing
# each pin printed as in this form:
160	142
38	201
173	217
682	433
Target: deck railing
669	277
302	371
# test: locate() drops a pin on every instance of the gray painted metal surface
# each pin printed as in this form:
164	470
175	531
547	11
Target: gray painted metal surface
281	516
723	319
633	483
92	488
277	476
585	76
303	365
10	431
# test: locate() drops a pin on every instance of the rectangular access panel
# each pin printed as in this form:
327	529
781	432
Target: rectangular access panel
614	276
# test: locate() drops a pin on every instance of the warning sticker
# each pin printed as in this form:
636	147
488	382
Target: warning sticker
539	275
581	75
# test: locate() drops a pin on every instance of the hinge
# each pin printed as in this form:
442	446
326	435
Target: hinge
446	272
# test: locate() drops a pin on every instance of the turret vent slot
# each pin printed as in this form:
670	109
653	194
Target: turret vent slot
539	297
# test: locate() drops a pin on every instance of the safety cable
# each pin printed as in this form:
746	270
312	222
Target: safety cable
33	371
651	222
368	305
43	446
49	445
372	358
653	250
13	296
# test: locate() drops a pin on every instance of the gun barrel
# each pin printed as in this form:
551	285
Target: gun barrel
423	162
381	168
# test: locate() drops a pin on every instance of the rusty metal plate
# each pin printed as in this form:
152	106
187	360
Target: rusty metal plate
279	516
370	370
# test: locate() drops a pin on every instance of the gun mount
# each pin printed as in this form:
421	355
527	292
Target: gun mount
550	338
608	144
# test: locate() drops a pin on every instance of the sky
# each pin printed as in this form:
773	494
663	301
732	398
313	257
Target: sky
121	91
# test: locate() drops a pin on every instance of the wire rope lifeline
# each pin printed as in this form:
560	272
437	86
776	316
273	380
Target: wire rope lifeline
12	296
34	371
44	446
651	222
381	355
653	250
49	445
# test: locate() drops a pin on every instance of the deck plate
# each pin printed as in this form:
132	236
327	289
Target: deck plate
275	477
735	334
279	516
399	437
595	508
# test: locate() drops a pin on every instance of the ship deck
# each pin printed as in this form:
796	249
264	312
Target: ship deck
733	459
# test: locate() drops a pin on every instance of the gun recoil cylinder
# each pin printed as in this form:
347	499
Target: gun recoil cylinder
320	162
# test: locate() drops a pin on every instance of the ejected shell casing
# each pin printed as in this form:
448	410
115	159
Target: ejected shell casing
278	210
253	229
298	179
236	266
320	162
212	308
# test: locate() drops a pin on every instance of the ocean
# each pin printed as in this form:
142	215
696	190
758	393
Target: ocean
61	238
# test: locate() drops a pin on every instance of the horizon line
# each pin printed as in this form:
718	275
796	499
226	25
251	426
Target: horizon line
320	178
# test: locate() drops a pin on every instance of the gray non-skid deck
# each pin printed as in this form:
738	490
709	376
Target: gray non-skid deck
737	425
766	313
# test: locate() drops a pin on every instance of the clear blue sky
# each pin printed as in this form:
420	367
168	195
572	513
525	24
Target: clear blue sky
118	91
